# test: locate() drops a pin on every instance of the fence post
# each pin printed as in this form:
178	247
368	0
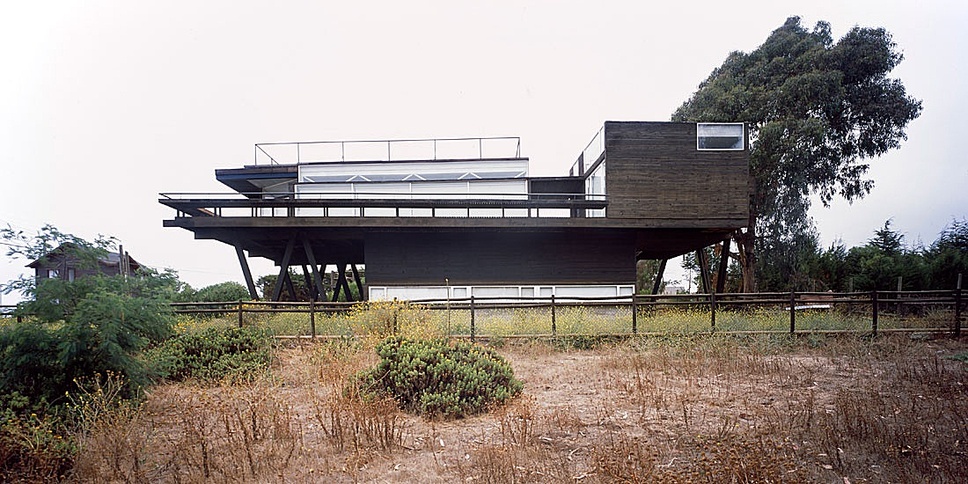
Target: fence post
554	323
712	310
240	313
635	311
473	329
874	312
793	311
312	319
958	307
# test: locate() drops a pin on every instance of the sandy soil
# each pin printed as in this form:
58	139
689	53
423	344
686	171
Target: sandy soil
706	411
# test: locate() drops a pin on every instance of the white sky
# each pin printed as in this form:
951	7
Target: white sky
104	104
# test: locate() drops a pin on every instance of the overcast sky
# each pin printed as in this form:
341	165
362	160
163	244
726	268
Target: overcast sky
104	104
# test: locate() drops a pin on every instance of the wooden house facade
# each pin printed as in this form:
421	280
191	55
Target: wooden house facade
65	263
427	222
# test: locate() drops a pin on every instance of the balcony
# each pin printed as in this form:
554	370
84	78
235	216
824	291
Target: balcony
374	204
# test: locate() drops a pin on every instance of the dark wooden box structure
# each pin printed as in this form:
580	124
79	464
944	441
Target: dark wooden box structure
461	217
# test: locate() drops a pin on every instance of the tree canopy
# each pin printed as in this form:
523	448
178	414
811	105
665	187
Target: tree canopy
816	111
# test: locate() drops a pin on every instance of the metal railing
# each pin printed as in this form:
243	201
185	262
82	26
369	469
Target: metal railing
379	204
297	152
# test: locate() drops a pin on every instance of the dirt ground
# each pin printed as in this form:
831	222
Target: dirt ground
842	410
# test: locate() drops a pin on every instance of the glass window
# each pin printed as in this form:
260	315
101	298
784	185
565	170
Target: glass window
595	185
720	136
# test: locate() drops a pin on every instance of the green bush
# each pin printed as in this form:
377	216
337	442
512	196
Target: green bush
212	354
440	378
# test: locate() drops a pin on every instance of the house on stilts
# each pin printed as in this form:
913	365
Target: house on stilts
438	218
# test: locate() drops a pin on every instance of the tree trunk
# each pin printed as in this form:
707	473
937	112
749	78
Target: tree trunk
747	256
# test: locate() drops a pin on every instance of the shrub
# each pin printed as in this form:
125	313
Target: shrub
440	378
212	354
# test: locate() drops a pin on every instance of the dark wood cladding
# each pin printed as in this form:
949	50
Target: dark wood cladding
654	171
466	258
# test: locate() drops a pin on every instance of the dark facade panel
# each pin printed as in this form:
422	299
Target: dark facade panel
466	258
654	170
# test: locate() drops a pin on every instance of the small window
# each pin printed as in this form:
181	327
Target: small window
53	274
720	136
70	274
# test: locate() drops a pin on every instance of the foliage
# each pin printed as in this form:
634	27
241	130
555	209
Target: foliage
213	354
948	256
963	356
96	325
47	242
875	265
440	378
221	292
816	110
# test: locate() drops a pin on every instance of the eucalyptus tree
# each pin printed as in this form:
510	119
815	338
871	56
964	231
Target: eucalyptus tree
817	112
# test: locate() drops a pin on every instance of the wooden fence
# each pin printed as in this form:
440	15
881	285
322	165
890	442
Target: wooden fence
907	311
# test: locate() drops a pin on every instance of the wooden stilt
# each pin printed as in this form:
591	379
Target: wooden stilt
703	270
341	282
359	282
290	288
283	270
657	284
246	272
319	292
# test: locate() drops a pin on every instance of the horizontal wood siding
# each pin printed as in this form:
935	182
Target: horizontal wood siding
654	170
425	258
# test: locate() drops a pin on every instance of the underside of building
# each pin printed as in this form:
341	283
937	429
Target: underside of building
436	218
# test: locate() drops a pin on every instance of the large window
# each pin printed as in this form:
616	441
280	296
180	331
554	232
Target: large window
595	185
720	136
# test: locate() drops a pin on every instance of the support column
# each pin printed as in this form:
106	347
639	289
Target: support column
283	270
359	282
307	280
657	284
319	292
703	273
246	272
341	282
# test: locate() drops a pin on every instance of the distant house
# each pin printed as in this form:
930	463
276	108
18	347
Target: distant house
64	263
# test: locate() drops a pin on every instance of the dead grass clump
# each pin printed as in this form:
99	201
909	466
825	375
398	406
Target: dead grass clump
347	419
112	435
736	458
624	458
518	421
350	421
907	423
236	434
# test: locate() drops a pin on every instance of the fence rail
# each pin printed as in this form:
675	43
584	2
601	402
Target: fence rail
760	313
804	312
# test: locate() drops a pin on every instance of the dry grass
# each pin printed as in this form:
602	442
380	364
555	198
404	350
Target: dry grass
709	409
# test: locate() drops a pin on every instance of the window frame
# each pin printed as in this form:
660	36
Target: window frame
699	137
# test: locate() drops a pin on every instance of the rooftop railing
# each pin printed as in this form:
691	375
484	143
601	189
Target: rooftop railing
296	152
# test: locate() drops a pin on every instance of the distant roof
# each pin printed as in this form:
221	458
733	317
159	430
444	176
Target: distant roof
112	259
